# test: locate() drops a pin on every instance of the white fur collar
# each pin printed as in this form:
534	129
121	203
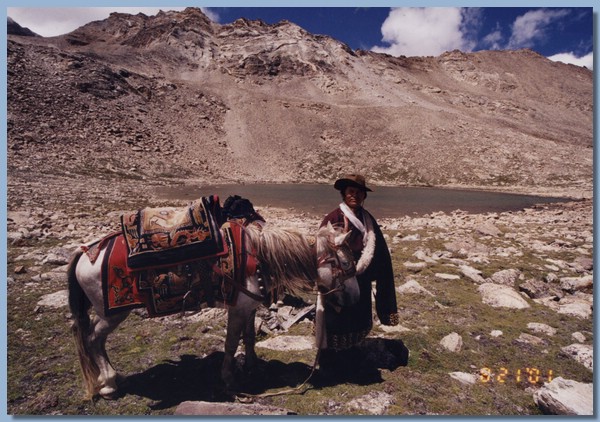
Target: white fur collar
368	236
369	250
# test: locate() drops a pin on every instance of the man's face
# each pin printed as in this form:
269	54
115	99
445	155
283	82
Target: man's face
354	197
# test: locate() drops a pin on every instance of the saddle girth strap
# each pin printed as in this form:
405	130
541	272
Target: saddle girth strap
246	263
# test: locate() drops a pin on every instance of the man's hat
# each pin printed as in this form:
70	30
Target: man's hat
356	180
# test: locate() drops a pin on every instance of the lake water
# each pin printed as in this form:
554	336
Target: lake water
384	202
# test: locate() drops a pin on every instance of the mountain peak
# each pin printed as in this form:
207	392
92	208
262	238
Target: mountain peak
13	28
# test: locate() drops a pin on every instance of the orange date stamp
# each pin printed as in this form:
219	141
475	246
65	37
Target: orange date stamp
520	375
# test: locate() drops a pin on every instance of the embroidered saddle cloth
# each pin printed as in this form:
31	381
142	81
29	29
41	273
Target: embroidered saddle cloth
188	283
158	237
165	290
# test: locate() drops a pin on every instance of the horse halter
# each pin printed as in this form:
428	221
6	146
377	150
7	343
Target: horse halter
342	269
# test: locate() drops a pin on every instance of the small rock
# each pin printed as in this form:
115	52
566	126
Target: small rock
411	286
415	266
529	339
55	300
541	328
447	276
411	238
464	378
452	342
287	343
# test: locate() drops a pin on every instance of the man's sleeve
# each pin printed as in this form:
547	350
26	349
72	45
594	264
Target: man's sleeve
385	297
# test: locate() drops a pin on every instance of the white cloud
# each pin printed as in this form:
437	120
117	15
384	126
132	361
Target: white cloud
50	22
533	26
424	31
571	58
493	40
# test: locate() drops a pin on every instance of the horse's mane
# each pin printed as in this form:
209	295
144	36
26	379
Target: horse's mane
286	255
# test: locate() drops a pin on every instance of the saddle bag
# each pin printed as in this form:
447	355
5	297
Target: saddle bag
158	237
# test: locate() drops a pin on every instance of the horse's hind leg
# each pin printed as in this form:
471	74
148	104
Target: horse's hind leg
99	331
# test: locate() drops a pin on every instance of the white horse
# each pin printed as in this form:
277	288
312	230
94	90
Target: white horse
289	258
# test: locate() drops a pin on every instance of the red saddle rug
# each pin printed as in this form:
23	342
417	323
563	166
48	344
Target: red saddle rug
170	289
119	283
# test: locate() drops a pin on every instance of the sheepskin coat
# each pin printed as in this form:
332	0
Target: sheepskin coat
351	325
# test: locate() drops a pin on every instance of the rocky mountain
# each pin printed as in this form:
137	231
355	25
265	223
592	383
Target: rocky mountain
100	118
178	96
14	28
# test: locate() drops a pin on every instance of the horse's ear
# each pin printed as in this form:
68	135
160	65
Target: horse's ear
341	238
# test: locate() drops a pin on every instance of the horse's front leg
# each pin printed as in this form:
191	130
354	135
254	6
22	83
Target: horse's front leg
235	325
250	341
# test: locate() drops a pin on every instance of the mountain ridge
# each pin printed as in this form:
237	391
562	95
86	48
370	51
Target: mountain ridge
256	102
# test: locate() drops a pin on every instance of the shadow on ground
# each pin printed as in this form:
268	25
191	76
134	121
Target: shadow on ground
192	378
361	365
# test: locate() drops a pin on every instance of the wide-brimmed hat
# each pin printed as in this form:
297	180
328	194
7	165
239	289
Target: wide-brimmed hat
356	180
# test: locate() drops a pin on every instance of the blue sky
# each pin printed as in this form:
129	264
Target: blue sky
559	33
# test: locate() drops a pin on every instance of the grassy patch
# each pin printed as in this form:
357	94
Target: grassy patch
166	362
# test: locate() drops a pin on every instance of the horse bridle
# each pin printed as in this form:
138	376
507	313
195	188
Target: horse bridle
340	274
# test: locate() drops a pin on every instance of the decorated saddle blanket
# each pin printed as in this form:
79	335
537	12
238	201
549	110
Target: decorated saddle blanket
158	237
171	289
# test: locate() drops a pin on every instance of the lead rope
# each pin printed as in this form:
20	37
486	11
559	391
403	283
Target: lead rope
296	390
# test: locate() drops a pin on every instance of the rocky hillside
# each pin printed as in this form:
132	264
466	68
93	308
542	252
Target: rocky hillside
100	117
178	96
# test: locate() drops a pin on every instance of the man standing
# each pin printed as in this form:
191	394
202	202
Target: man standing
348	326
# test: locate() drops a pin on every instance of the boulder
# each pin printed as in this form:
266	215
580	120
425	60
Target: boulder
565	397
537	289
582	353
506	277
373	403
488	229
573	284
499	296
472	273
225	409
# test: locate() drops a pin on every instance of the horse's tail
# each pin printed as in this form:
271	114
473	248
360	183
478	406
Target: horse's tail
79	305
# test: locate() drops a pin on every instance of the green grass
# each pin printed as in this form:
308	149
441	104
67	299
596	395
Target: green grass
167	363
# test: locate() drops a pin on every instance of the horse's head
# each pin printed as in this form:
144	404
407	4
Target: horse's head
336	268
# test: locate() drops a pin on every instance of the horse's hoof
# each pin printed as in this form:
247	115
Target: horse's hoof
108	393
